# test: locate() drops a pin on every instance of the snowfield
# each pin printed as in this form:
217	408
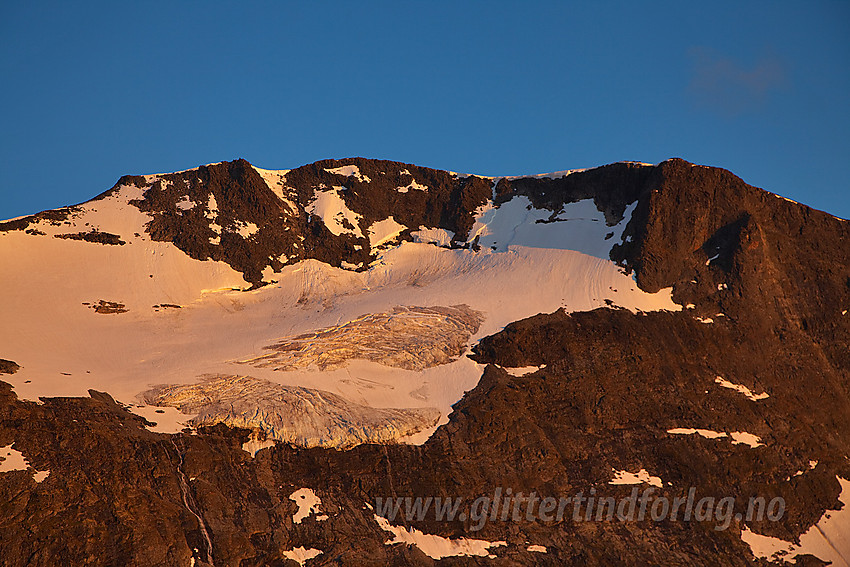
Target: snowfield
181	319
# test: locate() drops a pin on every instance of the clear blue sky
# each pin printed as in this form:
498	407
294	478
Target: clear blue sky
91	91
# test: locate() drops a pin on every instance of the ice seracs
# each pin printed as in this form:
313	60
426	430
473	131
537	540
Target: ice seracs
413	337
293	414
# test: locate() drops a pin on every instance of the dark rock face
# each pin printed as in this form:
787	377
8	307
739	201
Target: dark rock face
288	234
8	367
55	217
94	236
107	307
613	385
240	194
612	187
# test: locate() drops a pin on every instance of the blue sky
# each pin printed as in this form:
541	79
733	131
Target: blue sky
94	91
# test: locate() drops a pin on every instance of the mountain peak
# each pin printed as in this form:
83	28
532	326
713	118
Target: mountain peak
554	334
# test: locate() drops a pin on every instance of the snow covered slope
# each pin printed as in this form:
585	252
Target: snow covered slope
156	282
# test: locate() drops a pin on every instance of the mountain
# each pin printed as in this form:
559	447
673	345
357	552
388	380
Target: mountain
237	366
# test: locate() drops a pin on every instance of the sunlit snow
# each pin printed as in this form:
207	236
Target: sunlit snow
349	171
742	389
302	554
331	208
737	437
565	262
437	547
642	476
307	502
384	231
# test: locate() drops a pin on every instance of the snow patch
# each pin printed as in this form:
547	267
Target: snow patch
737	437
578	226
276	181
301	554
707	433
413	185
185	204
349	171
167	419
785	199
828	540
550	175
254	445
14	460
536	548
245	229
523	370
39	476
438	236
625	477
212	207
307	502
438	547
812	465
744	438
212	216
331	208
384	231
742	389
